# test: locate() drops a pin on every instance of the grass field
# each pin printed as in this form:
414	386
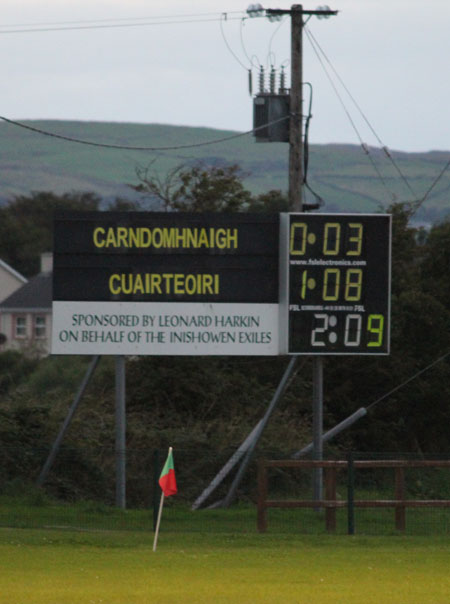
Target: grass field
54	566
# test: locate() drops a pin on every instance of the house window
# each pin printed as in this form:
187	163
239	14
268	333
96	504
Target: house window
39	327
20	329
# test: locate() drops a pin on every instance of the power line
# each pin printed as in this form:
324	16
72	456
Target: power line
363	115
118	19
419	202
111	26
244	50
228	46
416	375
435	182
341	100
132	148
277	29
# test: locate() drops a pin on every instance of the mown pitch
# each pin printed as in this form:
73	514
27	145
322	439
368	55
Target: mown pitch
106	567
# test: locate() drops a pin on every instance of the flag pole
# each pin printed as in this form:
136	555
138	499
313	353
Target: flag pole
168	485
158	522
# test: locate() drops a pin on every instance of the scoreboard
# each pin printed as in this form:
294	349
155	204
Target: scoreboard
170	283
338	283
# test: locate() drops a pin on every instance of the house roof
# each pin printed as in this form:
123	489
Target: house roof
10	270
36	294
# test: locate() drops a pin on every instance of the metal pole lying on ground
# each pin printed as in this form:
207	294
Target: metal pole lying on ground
76	401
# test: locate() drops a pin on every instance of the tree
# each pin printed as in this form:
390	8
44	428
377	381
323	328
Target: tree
415	417
197	189
436	264
26	224
272	201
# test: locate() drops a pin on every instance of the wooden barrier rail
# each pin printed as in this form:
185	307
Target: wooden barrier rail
331	504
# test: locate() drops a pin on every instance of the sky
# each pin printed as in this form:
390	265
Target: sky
378	70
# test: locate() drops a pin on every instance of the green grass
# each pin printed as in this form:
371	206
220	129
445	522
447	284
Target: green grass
68	567
75	554
33	509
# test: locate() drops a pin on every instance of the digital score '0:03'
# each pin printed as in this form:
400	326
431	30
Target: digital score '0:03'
339	283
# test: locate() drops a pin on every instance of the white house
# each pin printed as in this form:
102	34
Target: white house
26	314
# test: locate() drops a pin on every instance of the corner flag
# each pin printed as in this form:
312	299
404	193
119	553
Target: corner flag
167	480
168	484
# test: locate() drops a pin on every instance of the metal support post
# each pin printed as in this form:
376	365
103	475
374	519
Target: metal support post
276	397
318	425
343	425
76	401
226	469
351	495
120	433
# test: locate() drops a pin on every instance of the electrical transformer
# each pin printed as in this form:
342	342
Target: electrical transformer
269	109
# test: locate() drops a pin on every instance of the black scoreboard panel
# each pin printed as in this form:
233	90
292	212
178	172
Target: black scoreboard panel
339	283
166	257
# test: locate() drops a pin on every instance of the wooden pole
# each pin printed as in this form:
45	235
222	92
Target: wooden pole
296	101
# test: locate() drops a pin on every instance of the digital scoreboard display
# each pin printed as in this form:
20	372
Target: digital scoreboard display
166	257
338	283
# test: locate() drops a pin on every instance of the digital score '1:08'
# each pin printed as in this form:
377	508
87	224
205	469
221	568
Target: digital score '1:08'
339	283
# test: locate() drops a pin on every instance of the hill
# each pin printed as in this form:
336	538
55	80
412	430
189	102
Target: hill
347	178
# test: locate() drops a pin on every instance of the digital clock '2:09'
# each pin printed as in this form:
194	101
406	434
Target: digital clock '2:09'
339	283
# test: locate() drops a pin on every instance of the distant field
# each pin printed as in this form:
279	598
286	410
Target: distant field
343	175
92	567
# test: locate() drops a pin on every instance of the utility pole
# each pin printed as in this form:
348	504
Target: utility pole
296	175
270	106
296	178
296	107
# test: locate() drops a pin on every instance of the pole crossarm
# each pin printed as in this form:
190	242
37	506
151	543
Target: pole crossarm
299	9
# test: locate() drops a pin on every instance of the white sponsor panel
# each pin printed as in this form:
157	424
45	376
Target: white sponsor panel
164	328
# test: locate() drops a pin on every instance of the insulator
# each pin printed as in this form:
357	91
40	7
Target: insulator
274	16
272	80
250	82
255	10
261	79
324	8
282	81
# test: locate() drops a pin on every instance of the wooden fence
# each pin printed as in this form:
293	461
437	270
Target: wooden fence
331	503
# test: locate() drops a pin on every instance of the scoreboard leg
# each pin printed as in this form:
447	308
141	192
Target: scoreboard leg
120	433
57	444
317	425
